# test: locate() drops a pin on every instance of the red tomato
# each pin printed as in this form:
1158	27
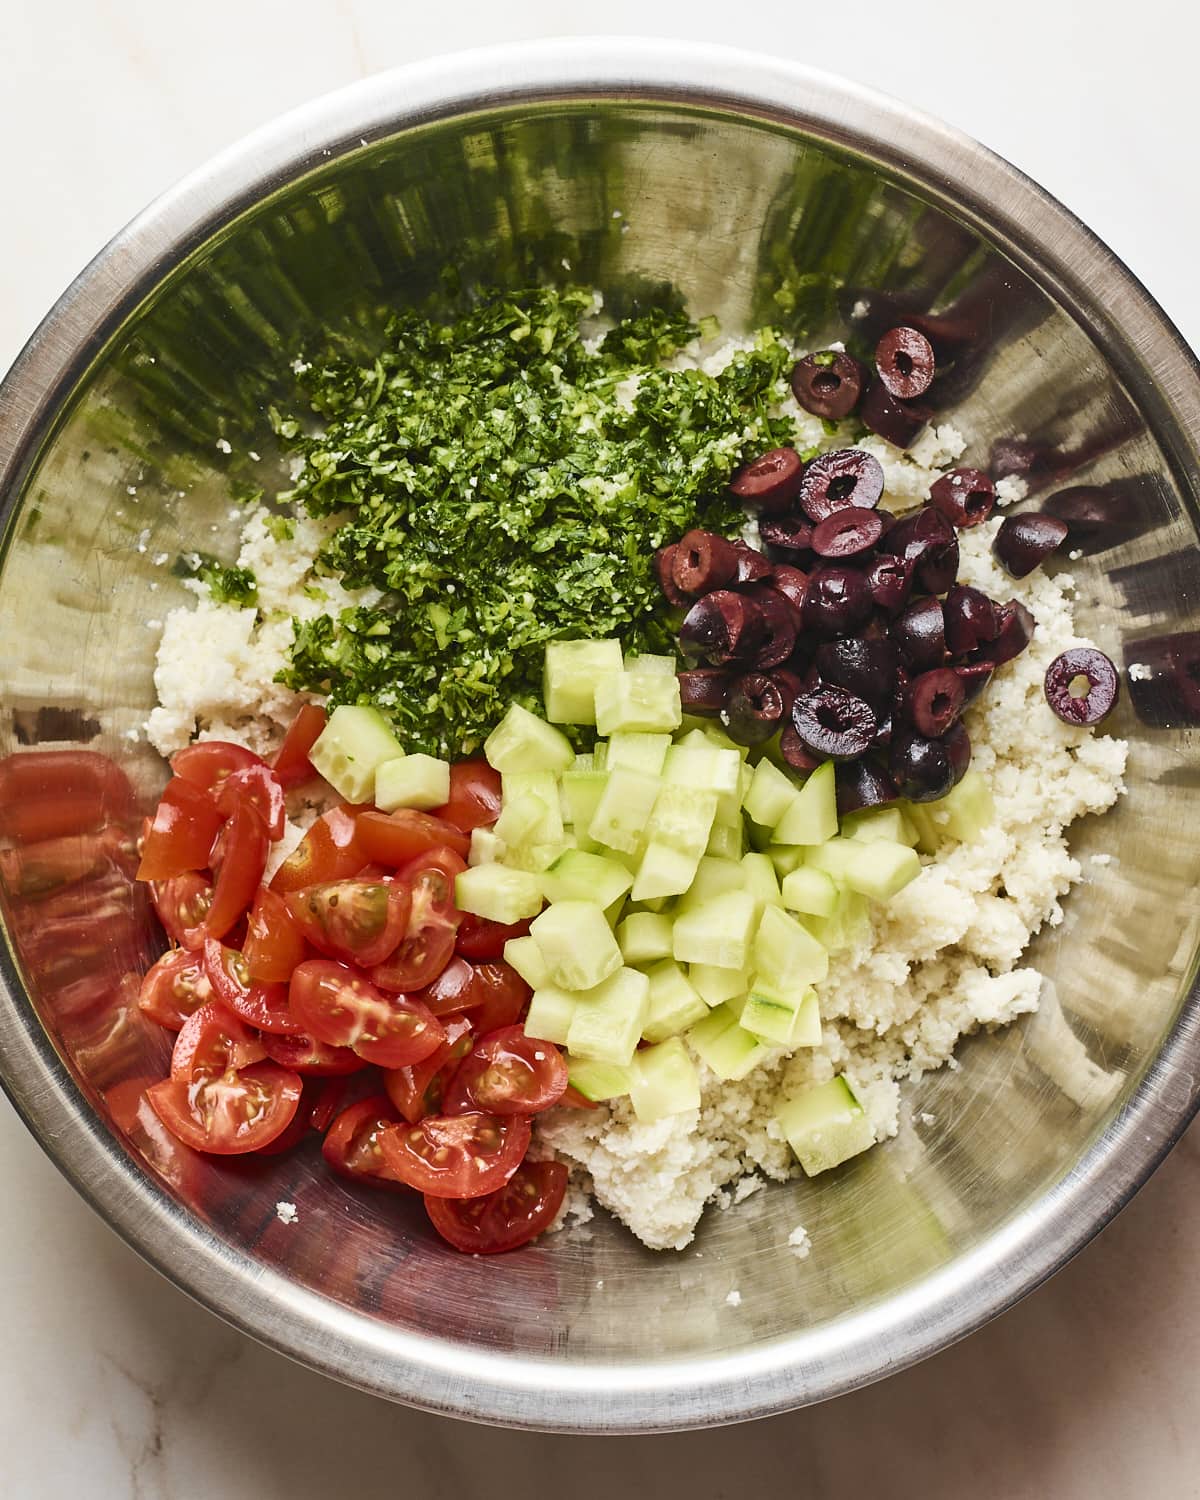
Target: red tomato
264	1006
503	996
274	944
181	833
453	990
47	794
304	1054
360	921
256	784
416	1091
208	763
474	796
398	837
241	860
527	1204
459	1156
479	938
242	1110
175	987
213	1042
331	850
292	766
352	1146
329	1095
37	869
507	1073
182	904
429	942
573	1099
338	1006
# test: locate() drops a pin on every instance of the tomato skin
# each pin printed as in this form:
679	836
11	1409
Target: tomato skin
48	794
396	838
459	1156
274	944
514	1214
352	1147
330	850
503	996
416	1091
478	938
358	921
339	1006
507	1073
242	860
181	833
573	1099
264	1006
475	799
242	1111
314	1059
429	943
329	1094
291	765
182	903
208	763
453	990
211	1042
256	784
174	988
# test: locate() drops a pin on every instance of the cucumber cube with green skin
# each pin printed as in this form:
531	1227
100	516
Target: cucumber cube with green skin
785	857
550	1013
718	931
682	819
877	823
771	793
810	891
644	937
785	953
811	818
715	985
354	743
674	1003
570	674
580	796
713	878
515	786
420	781
609	1019
882	869
577	944
726	841
728	1049
523	742
825	1125
486	847
524	955
624	809
760	879
640	752
663	871
598	1081
785	1017
646	701
579	876
663	1081
498	893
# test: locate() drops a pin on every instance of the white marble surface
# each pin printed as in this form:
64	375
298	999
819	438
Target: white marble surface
114	1385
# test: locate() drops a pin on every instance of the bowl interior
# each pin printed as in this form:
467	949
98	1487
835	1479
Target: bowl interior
165	432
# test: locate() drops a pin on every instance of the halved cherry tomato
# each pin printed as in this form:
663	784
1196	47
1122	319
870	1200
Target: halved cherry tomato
181	833
330	850
304	1054
292	766
274	944
241	860
453	990
396	838
416	1091
213	1041
255	784
241	1110
429	942
360	921
35	870
507	1073
208	763
514	1214
479	938
182	903
475	800
46	794
329	1094
503	996
457	1156
175	988
352	1145
338	1006
264	1006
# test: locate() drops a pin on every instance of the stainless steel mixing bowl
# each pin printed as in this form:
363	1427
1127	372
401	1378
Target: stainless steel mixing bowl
759	191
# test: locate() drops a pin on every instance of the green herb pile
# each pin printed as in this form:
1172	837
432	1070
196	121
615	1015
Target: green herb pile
501	494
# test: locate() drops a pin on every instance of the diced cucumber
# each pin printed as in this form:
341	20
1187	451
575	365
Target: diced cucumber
836	856
879	823
486	847
570	674
640	752
882	869
599	756
771	794
641	700
584	763
577	944
825	1125
535	858
970	808
581	793
785	953
682	819
550	1013
718	931
523	819
715	985
356	740
663	1081
523	742
809	890
624	809
598	1081
644	937
663	871
786	1017
577	876
713	878
609	1018
726	841
929	835
811	817
729	1050
674	1004
524	955
715	735
760	880
849	925
516	786
498	893
785	857
653	666
419	781
710	769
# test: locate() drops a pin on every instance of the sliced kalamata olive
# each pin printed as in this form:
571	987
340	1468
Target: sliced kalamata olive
752	566
905	363
863	665
833	723
957	744
838	480
974	676
863	783
790	684
703	561
895	421
927	540
721	626
935	700
920	767
837	600
702	691
919	632
1082	686
781	620
1014	630
847	532
664	559
755	709
938	567
964	496
790	532
791	582
828	384
1026	540
890	580
970	618
795	752
771	482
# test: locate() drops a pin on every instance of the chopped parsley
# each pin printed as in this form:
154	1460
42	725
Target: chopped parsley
504	484
226	585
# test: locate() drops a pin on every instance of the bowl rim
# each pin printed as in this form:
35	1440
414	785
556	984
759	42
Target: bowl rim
620	1397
